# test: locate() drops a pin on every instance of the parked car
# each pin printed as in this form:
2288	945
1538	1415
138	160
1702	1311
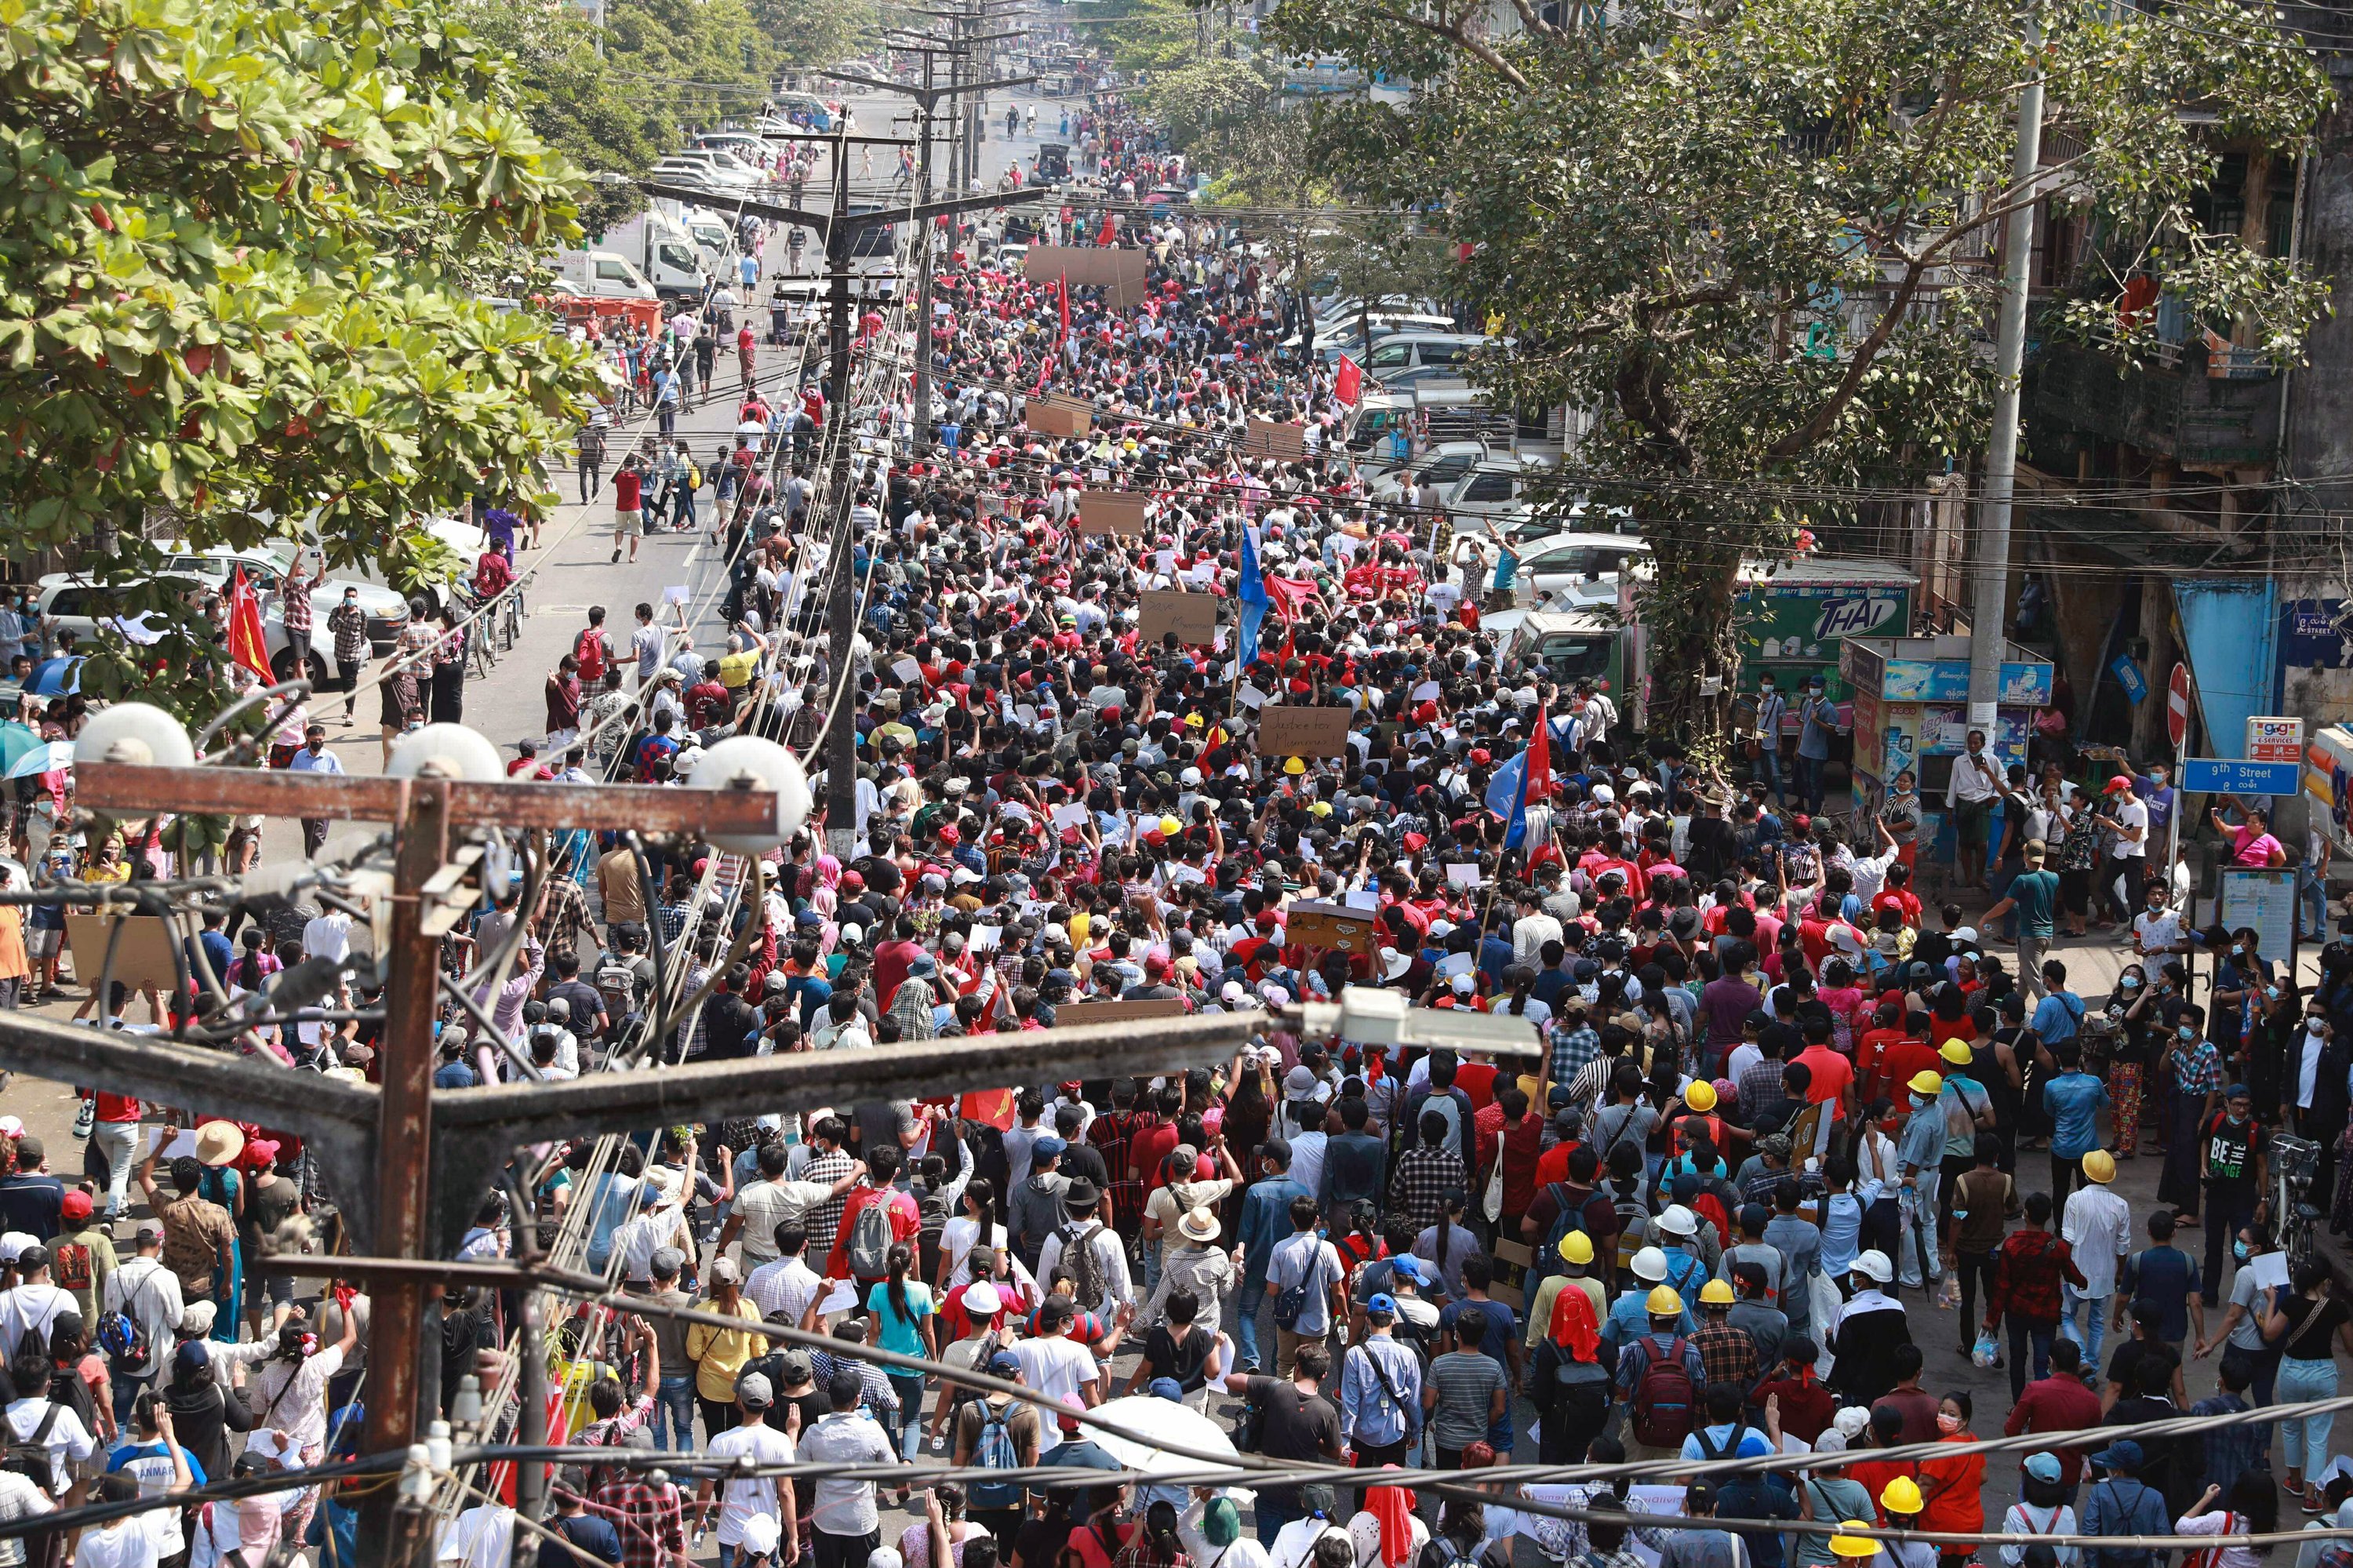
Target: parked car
266	565
1406	356
1499	488
1442	469
1573	571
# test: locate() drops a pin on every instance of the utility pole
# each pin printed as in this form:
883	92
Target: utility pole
927	98
841	226
841	609
1990	594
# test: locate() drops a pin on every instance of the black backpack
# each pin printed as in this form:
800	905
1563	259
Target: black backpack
29	1457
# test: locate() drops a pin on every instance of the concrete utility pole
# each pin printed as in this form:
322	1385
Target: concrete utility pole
1990	594
840	227
927	98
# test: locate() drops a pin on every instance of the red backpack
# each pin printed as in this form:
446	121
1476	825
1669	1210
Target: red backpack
588	649
1663	1396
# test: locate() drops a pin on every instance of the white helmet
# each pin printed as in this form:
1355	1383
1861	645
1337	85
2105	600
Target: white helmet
1873	1265
1679	1221
1651	1263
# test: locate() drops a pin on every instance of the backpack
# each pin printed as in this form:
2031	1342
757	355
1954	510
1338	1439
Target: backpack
1293	1302
1663	1396
588	650
29	1457
1568	1216
871	1239
1079	1251
995	1451
66	1388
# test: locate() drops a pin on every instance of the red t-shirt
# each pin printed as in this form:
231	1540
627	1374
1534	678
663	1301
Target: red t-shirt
1831	1073
906	1223
1901	1061
627	486
1905	903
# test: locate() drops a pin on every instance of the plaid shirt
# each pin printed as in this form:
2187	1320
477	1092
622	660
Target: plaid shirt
349	623
564	917
648	1518
2026	1276
294	602
1110	1135
2199	1070
1726	1354
824	1219
1759	1087
1572	1049
881	1397
2230	1450
1423	1177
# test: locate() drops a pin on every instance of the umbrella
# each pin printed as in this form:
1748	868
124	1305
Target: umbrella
16	739
58	677
49	757
1146	1423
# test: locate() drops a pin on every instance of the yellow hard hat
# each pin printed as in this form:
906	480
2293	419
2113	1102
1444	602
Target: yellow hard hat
1701	1095
1320	809
1957	1052
1171	826
1847	1545
1715	1293
1902	1496
2100	1166
1925	1082
1576	1248
1295	767
1664	1303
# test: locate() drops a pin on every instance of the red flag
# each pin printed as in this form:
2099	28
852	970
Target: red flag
1348	382
1063	284
247	645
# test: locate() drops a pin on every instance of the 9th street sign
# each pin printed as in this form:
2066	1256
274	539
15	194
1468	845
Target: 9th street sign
2227	775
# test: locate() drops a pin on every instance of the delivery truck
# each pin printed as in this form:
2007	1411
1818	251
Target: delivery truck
657	247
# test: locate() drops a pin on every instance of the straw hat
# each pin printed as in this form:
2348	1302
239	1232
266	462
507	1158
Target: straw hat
219	1143
1199	1225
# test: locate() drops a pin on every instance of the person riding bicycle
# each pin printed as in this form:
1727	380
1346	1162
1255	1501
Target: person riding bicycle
492	574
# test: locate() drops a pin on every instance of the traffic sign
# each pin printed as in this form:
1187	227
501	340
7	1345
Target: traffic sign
2274	740
2230	775
2177	706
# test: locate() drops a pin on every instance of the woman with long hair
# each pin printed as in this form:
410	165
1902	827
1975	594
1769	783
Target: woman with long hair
2252	1510
289	1395
903	1309
1153	1540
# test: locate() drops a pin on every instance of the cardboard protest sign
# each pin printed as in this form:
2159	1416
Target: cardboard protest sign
1193	617
1117	271
1058	416
1111	512
1284	730
1264	438
1072	1013
142	956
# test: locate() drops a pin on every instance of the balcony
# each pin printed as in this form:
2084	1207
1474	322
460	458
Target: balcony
2175	409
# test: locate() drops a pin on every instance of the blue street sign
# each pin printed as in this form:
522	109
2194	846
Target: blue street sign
2224	775
2128	676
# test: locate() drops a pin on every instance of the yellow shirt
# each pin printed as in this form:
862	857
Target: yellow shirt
719	1354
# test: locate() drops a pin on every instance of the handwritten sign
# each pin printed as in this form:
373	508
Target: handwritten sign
1286	730
1193	617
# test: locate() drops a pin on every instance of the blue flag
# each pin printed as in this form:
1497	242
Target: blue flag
1250	594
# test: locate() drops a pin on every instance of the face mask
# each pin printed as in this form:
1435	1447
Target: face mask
2131	983
1947	1424
2187	1032
1917	1101
2272	992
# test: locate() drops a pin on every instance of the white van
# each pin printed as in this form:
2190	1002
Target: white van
603	275
1405	357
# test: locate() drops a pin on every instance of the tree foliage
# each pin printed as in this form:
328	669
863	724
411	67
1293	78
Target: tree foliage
1758	239
239	282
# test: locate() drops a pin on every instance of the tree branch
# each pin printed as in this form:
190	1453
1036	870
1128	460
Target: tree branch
1484	53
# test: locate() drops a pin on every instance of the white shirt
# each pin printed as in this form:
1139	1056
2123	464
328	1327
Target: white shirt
1111	1267
2159	930
29	1309
69	1441
19	1498
1057	1367
2098	1226
740	1501
2130	814
479	1537
143	1291
139	1542
327	936
1295	1544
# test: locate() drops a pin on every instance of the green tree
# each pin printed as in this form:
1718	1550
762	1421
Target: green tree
1758	239
238	285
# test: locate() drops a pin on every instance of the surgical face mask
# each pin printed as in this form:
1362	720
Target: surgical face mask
2187	1032
1947	1424
2239	1250
2132	982
2272	992
1917	1100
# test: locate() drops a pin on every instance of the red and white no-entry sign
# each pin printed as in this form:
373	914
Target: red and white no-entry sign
2177	706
